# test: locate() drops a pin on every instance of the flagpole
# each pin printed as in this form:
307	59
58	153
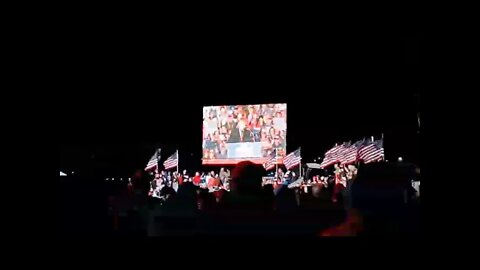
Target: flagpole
383	143
300	165
418	119
417	103
363	143
276	162
158	160
178	161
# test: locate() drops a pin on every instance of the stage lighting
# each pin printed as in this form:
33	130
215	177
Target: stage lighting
106	179
400	159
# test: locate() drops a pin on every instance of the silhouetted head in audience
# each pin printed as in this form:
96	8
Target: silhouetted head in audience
186	197
140	182
219	195
268	190
316	190
379	189
206	201
377	201
247	179
188	189
285	199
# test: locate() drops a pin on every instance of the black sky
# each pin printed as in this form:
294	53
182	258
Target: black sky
338	88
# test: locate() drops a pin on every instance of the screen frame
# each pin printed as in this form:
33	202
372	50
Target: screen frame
234	161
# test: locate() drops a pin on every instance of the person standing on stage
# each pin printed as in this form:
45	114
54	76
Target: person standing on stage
280	175
340	181
213	182
155	180
179	178
185	176
197	179
222	175
351	175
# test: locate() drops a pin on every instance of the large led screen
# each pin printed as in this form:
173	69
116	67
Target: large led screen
243	132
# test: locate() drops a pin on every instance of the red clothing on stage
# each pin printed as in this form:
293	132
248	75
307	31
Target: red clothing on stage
213	182
338	187
196	179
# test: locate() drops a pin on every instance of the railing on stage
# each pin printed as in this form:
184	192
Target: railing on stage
268	180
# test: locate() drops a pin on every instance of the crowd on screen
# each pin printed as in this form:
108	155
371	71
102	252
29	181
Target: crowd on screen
264	123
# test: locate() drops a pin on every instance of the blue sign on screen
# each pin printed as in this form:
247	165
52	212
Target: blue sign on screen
244	150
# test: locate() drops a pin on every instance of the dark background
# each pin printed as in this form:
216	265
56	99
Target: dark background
127	96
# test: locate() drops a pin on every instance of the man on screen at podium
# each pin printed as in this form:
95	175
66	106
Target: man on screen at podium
278	143
240	134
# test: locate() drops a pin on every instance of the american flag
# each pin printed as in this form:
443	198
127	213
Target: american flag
372	152
293	159
334	150
334	155
340	154
171	161
153	162
350	155
270	164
